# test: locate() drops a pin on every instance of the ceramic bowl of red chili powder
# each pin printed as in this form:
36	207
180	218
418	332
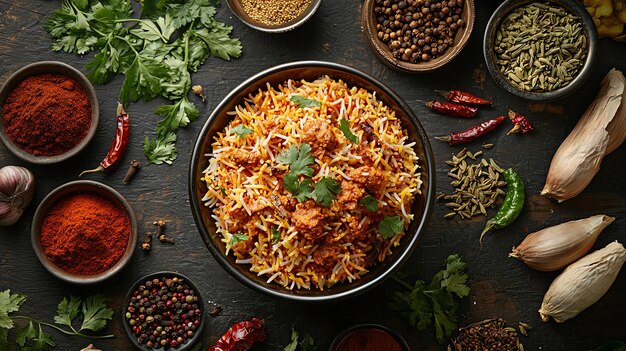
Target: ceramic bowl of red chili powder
49	112
84	232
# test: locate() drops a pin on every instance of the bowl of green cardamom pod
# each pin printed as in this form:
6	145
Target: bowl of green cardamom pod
540	50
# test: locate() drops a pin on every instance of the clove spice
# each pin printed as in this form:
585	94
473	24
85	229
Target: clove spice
161	232
197	89
132	170
146	245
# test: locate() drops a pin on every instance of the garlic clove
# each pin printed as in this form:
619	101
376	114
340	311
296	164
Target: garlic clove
583	283
555	247
16	193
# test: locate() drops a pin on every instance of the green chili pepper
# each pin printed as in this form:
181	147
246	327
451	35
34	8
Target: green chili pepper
512	205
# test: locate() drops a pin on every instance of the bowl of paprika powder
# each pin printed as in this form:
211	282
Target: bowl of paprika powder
49	112
84	232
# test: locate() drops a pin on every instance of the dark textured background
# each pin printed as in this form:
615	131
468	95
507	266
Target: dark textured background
500	286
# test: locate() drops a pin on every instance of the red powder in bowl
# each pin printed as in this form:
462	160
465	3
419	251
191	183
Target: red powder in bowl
369	339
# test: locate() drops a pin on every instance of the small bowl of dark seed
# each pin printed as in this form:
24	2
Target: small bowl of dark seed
417	36
163	311
540	50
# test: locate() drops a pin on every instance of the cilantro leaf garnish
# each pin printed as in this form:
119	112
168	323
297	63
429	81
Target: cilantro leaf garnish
293	345
326	190
298	158
306	344
422	304
301	190
344	126
275	235
390	226
369	202
9	303
241	130
223	190
67	310
162	149
95	313
235	238
303	102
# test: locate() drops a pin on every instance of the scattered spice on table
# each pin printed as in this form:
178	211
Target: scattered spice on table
164	312
85	233
476	185
417	31
512	205
521	124
241	336
540	47
274	12
473	132
452	109
47	114
132	170
464	98
118	145
490	334
369	339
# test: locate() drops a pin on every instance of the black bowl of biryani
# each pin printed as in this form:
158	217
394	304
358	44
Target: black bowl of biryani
312	181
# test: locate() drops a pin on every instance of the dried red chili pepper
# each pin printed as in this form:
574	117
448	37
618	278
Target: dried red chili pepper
116	150
473	132
464	98
521	123
241	336
452	109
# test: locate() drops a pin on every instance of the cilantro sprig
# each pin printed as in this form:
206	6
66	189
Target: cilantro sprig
156	51
390	226
235	238
92	312
241	130
369	202
303	102
298	158
438	301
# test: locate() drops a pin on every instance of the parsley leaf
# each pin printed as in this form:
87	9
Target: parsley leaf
161	29
175	116
325	191
298	158
43	342
235	238
344	126
25	334
162	149
369	202
307	343
219	43
9	303
390	226
303	102
143	79
95	313
67	310
301	190
293	345
422	305
275	235
241	130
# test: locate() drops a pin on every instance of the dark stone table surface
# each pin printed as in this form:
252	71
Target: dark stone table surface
500	286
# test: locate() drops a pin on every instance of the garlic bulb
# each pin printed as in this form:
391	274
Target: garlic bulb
583	283
599	131
555	247
16	192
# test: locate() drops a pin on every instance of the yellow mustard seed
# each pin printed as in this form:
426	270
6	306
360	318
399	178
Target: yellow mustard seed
274	12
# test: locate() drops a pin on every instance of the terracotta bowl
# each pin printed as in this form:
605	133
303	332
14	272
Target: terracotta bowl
383	53
311	70
237	9
82	186
573	6
51	67
165	274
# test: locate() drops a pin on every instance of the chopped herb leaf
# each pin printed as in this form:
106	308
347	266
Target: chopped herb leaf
369	202
223	191
325	191
162	149
344	126
390	226
307	343
241	130
301	190
298	158
95	313
293	345
303	102
275	235
235	238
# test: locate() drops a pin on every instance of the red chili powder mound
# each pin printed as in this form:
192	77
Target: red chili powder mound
85	233
47	115
369	339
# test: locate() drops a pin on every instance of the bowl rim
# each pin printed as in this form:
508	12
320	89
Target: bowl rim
422	221
191	342
52	67
312	8
571	6
382	52
70	188
396	335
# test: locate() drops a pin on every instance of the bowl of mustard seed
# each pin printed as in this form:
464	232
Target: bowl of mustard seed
273	16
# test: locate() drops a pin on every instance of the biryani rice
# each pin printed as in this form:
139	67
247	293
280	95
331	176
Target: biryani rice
304	245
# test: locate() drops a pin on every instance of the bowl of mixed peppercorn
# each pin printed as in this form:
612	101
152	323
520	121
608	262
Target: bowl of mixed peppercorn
163	310
417	36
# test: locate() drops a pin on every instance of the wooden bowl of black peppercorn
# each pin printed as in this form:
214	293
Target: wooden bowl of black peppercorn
417	36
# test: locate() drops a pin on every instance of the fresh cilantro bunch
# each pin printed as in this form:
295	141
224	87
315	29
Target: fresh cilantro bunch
304	344
157	51
92	313
420	303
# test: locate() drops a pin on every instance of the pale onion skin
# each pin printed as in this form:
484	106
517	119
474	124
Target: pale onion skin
583	283
17	185
553	248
